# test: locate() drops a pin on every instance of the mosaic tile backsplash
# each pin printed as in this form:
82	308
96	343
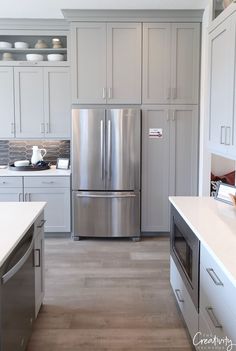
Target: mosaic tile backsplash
12	150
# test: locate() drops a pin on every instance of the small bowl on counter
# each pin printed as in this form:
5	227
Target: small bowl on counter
21	45
5	45
34	57
55	57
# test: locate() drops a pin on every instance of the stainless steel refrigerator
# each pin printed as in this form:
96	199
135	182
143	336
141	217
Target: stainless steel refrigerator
106	172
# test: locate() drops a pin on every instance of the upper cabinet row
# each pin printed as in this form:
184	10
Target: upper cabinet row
108	67
35	102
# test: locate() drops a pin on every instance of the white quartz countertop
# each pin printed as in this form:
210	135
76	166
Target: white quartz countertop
15	219
214	223
49	172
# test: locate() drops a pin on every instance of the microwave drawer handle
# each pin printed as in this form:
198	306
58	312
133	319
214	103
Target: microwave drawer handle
213	318
42	222
106	196
214	277
19	264
180	299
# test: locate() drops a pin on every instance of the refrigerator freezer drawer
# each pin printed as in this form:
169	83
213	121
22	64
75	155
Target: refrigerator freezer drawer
106	214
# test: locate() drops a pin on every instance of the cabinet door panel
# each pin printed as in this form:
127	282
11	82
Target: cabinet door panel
156	63
155	171
57	211
6	103
184	150
11	195
124	62
57	102
185	63
29	102
89	63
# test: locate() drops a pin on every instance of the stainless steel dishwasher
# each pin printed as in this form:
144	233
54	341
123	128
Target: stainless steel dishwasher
17	295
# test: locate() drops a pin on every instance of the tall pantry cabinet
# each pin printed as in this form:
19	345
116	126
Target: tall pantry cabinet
171	63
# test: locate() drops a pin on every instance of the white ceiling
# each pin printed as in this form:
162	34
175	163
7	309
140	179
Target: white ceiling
51	8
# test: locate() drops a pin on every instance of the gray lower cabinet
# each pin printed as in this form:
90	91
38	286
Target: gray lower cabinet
106	62
39	263
35	102
53	190
171	63
169	161
7	103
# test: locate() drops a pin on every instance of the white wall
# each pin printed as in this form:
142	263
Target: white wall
51	8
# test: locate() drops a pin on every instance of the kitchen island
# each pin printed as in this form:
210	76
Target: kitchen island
21	271
213	223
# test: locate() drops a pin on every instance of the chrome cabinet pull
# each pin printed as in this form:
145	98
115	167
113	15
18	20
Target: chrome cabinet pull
109	149
45	182
214	277
168	93
168	115
102	149
12	128
47	128
20	196
174	115
39	258
180	299
42	128
3	182
222	140
43	221
227	135
104	93
26	196
213	318
109	93
29	197
174	93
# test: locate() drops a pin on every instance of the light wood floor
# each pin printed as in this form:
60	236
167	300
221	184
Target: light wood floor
104	295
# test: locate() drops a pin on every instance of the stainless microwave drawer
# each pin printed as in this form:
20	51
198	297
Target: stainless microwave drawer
104	214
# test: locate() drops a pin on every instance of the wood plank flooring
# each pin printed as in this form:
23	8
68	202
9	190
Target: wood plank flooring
108	295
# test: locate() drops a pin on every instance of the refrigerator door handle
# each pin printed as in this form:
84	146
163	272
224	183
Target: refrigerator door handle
109	149
103	196
102	149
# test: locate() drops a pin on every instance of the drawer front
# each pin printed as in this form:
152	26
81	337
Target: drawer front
11	182
217	307
184	300
47	182
219	287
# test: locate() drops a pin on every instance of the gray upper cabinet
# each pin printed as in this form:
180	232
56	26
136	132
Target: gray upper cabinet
29	102
221	87
124	63
155	170
171	62
185	66
7	103
89	62
106	62
57	102
156	63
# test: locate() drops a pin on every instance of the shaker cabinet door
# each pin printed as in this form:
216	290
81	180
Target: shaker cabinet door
185	63
155	169
7	118
156	63
29	102
124	63
57	102
89	63
184	150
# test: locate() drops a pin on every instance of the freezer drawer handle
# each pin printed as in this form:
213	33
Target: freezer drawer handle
213	318
18	265
106	196
177	292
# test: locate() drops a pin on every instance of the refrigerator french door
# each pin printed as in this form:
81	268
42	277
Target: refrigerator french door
106	172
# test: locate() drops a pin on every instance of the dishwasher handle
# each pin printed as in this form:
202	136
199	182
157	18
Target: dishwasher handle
7	276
